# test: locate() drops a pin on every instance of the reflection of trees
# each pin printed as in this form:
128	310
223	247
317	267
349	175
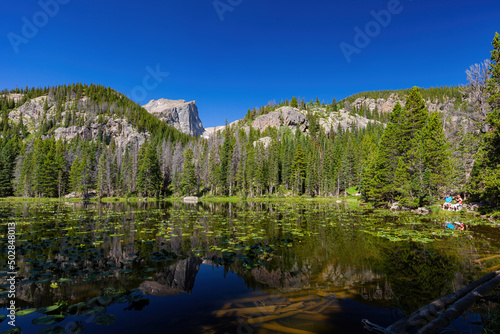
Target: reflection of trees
338	257
417	273
175	279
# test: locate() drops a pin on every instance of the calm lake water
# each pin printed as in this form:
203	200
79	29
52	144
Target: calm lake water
170	267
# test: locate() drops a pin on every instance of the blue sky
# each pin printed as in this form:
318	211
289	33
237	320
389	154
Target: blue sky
259	50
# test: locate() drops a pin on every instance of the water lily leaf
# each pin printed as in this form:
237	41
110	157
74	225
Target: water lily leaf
48	320
105	320
104	274
94	311
66	279
122	300
52	330
16	330
25	312
48	309
45	280
75	308
104	300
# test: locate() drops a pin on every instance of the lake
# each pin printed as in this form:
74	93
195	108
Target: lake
278	267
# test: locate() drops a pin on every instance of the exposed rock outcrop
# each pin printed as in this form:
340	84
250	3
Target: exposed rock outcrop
90	128
266	141
294	118
123	133
180	114
343	120
386	105
284	116
213	130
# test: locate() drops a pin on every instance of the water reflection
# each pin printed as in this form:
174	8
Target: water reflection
307	262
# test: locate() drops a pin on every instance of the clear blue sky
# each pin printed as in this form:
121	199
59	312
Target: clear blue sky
261	50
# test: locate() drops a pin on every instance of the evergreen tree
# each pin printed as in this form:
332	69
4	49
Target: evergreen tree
414	118
189	181
485	183
299	170
380	185
149	181
102	174
431	157
75	175
8	151
226	153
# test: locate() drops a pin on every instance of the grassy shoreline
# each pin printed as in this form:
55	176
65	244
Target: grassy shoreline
350	200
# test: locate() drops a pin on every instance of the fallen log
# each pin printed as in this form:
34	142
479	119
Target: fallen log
244	311
274	326
460	301
487	258
459	307
286	314
494	268
428	313
311	316
375	328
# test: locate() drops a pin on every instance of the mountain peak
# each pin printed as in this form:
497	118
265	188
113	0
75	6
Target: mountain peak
180	114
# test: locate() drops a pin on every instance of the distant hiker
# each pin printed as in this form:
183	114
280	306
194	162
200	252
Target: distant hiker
447	203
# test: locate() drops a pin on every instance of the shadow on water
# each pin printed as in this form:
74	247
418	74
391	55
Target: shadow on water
226	267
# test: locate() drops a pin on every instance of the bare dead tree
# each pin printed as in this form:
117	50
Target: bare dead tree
476	93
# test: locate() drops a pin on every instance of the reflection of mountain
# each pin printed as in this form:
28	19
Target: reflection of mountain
173	280
346	281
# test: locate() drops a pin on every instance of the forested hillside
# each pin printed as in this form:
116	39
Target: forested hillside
409	146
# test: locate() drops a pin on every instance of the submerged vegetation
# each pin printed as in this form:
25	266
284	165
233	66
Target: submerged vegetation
314	251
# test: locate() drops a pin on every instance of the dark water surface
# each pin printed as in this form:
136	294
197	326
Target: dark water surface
170	267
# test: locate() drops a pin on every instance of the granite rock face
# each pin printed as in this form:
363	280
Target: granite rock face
123	133
284	116
33	115
180	114
343	120
386	105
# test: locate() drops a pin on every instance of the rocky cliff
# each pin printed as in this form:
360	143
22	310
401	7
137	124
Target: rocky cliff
180	114
75	120
294	118
386	105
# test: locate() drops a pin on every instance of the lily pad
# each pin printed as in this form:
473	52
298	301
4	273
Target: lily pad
25	312
52	330
66	279
16	330
94	311
105	320
48	309
104	300
48	320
